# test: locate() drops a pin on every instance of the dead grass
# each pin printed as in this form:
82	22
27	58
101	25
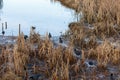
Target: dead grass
59	63
103	15
20	55
100	20
10	76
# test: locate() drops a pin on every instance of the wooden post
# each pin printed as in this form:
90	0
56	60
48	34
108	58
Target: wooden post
19	29
2	27
5	25
3	32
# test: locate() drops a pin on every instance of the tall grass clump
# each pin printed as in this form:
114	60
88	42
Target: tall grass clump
103	14
57	59
10	76
105	54
59	62
34	37
21	55
45	47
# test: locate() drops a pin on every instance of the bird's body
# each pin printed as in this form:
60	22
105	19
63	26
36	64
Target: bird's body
33	28
50	36
60	40
77	52
25	37
3	32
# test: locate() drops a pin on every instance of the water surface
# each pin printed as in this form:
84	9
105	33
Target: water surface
43	14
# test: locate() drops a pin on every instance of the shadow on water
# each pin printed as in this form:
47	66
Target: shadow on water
1	4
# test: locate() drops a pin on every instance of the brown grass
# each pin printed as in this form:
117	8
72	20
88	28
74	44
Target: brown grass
21	55
11	76
103	15
58	62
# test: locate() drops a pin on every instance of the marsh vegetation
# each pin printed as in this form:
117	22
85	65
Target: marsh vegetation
88	50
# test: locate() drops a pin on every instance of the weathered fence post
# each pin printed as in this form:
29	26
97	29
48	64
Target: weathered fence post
19	29
2	26
5	25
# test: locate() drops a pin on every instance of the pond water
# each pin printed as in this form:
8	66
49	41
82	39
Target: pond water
45	15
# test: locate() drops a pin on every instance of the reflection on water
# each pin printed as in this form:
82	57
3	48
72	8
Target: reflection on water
43	14
1	4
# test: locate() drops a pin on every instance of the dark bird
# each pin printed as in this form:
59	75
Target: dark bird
49	35
112	76
90	63
3	32
77	52
33	27
34	77
60	40
25	37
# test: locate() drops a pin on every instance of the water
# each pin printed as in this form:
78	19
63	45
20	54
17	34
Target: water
43	14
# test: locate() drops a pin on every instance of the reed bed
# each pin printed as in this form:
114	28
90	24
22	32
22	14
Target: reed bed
103	15
99	21
56	63
91	35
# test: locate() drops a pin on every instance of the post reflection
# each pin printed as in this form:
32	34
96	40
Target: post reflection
1	4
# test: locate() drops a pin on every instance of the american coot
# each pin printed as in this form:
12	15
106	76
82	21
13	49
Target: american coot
77	52
25	37
91	63
3	32
35	77
60	40
112	76
33	27
49	35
